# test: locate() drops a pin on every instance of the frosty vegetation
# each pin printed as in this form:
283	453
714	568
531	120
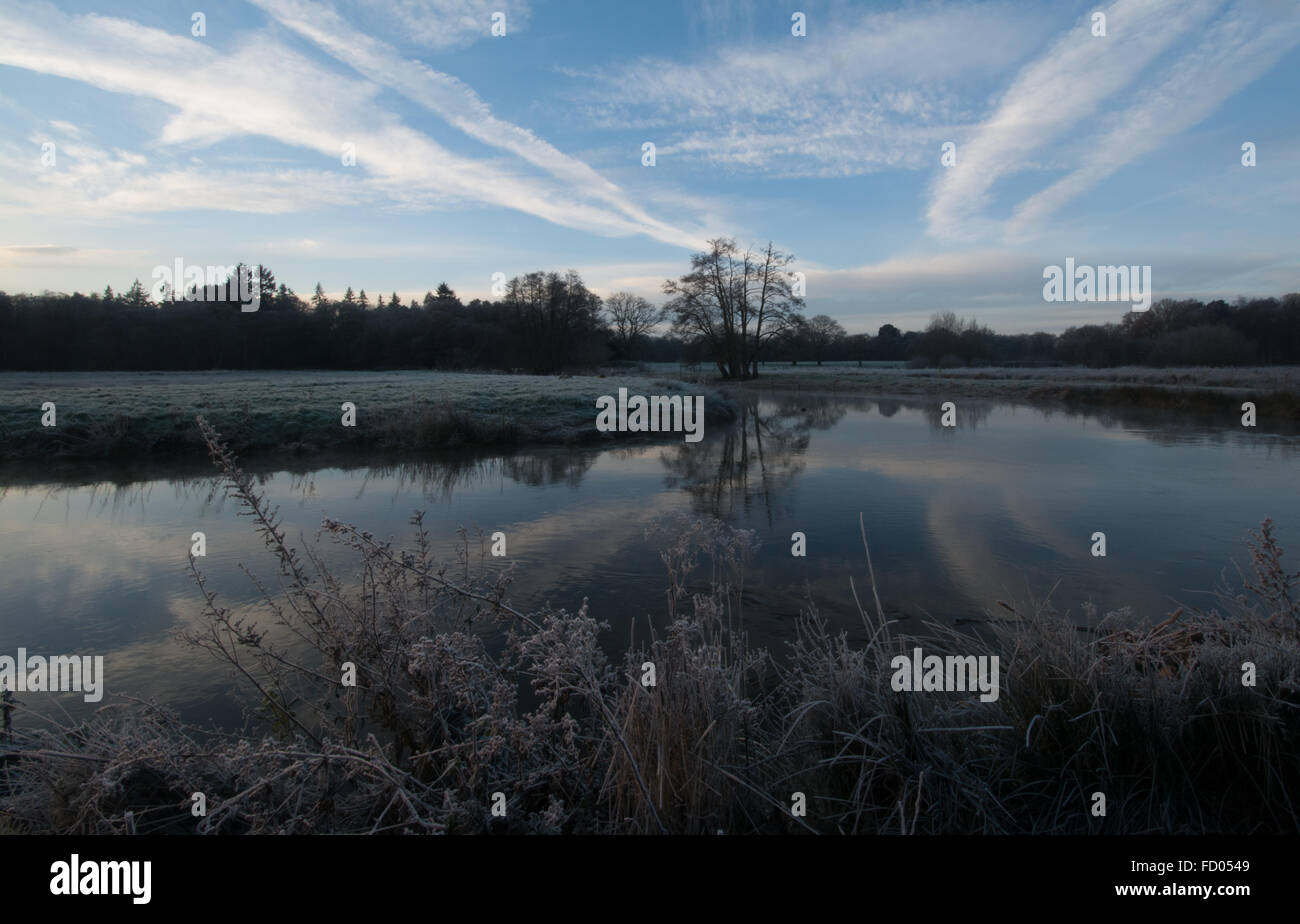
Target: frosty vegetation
133	414
460	695
1266	378
1217	391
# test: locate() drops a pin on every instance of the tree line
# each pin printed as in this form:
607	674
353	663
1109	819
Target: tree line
1188	332
733	310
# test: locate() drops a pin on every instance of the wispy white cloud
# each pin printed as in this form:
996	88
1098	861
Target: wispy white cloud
858	93
1043	113
1073	93
1235	51
884	90
456	102
92	184
448	24
63	255
264	88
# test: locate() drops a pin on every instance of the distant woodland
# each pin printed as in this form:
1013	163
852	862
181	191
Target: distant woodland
733	311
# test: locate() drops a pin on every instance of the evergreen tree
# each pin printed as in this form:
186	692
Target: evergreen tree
266	285
285	298
446	297
136	296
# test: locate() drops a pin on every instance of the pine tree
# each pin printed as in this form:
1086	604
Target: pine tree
136	296
266	286
318	297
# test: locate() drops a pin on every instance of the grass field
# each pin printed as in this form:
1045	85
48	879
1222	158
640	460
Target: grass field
132	415
873	375
124	414
1275	378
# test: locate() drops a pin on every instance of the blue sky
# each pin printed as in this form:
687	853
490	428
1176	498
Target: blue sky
478	154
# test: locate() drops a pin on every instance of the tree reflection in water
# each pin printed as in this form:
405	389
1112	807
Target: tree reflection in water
755	461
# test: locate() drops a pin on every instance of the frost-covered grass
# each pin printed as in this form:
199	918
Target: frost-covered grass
1258	378
1267	378
1195	388
122	414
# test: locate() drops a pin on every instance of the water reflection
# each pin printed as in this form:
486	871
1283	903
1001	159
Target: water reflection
999	507
753	462
770	431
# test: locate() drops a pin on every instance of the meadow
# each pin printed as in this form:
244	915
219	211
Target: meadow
132	415
135	414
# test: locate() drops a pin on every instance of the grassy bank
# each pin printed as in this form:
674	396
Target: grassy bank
461	695
1274	389
133	415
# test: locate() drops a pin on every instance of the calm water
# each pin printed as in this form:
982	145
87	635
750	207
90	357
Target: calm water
1000	508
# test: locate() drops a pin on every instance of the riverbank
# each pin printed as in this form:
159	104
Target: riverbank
135	415
130	417
1275	390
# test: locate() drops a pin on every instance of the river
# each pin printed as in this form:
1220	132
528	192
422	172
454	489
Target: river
1001	507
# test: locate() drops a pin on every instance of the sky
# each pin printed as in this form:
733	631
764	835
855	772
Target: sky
475	153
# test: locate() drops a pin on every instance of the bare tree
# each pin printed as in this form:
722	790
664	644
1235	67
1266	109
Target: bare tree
950	322
556	320
632	318
822	331
735	301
